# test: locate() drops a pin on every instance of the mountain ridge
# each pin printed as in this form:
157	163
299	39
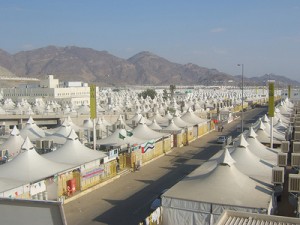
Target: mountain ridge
101	67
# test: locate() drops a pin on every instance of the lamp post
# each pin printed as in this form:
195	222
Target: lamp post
242	119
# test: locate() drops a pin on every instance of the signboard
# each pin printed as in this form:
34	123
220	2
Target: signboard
271	98
93	104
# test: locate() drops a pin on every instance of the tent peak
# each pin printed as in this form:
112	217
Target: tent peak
27	145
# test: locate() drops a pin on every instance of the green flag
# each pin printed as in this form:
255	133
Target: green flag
129	133
121	136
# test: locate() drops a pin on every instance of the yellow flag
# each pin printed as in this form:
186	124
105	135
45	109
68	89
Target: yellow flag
93	105
271	98
289	91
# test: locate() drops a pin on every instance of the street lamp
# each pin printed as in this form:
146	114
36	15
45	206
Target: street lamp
242	119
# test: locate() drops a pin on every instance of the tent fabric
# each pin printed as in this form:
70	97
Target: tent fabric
263	136
7	184
31	130
159	119
155	125
261	151
180	122
191	118
74	152
29	166
13	143
116	140
142	131
212	188
172	127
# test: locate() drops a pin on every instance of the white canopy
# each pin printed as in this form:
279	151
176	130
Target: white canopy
209	190
250	164
191	118
260	150
74	152
142	131
172	127
13	143
154	125
32	131
119	138
29	166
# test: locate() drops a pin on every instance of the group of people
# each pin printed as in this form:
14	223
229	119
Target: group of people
220	128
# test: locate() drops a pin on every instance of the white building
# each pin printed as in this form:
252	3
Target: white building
73	92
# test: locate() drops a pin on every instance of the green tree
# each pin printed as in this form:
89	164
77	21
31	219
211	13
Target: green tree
172	90
149	92
165	94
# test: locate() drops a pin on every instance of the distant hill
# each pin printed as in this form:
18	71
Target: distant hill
100	67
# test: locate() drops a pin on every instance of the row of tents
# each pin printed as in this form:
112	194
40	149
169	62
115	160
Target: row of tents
239	177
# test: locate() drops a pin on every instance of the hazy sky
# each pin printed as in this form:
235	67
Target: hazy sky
264	35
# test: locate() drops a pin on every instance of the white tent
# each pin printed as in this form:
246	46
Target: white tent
191	118
136	119
203	195
263	136
159	119
32	131
13	143
60	136
276	134
180	122
142	131
154	125
74	152
172	127
29	166
249	164
260	150
120	138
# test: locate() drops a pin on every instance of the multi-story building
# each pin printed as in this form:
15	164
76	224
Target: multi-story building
72	92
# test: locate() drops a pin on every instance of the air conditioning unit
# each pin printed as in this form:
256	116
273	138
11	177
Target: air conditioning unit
294	182
282	159
296	147
39	144
278	175
297	135
295	161
47	144
285	146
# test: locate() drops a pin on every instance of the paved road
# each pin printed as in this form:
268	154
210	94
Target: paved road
127	199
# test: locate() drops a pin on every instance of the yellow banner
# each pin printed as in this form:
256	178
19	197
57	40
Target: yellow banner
289	91
93	104
271	99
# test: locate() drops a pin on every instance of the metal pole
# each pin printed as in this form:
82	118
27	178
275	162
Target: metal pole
242	114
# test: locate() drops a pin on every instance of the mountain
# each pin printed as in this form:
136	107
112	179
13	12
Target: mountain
85	64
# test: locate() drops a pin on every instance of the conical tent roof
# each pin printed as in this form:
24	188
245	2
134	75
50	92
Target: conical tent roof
75	127
116	139
159	119
191	118
154	125
142	131
223	184
172	127
280	127
260	150
13	143
180	122
29	166
137	118
31	130
74	152
250	164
